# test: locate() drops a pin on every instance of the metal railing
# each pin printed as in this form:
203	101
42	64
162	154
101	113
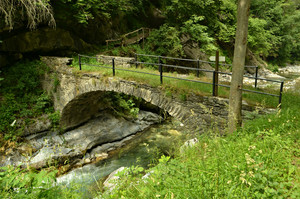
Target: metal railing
215	83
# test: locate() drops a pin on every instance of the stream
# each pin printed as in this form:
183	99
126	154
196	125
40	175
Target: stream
141	150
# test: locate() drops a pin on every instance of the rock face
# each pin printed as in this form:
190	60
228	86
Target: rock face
191	49
43	41
40	124
85	144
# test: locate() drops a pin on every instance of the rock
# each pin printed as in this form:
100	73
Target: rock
43	40
147	175
125	62
107	129
290	70
192	51
38	125
188	144
274	76
174	132
91	141
111	182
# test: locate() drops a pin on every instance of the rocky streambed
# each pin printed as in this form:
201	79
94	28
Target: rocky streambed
290	75
90	142
95	149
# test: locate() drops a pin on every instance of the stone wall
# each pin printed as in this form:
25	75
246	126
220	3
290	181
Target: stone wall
125	62
78	97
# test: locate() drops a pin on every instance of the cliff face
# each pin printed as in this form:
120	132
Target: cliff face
69	36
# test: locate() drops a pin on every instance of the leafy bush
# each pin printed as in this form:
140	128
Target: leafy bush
199	33
165	41
16	183
123	105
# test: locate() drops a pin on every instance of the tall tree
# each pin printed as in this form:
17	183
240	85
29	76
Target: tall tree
235	97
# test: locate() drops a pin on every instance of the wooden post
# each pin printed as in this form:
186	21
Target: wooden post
136	59
160	70
280	95
143	37
113	66
198	67
216	75
256	74
79	61
214	84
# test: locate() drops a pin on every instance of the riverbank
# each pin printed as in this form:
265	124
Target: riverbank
261	160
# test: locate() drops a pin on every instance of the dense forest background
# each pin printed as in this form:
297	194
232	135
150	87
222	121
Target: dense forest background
62	27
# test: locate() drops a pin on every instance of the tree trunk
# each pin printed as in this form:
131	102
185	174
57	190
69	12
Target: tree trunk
235	97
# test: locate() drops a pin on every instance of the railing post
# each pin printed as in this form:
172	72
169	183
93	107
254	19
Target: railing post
280	94
143	37
198	67
79	61
113	66
216	74
214	84
160	70
256	75
136	59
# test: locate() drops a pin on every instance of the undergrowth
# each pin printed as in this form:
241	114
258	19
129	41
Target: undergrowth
21	98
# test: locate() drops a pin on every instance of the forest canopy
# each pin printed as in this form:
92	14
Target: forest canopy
274	30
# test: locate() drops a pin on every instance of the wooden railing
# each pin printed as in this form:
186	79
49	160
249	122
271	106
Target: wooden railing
131	37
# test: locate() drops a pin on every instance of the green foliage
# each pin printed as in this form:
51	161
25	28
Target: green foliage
273	30
22	97
85	10
55	82
55	118
166	41
123	105
198	33
17	183
1	79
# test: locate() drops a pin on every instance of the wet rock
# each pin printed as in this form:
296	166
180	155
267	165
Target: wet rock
111	182
99	136
188	144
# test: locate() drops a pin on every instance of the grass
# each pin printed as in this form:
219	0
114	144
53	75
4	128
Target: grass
261	160
177	87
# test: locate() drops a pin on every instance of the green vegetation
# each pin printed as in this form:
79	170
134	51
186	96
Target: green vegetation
261	160
123	105
17	183
21	98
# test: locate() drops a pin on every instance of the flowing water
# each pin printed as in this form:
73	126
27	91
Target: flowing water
157	140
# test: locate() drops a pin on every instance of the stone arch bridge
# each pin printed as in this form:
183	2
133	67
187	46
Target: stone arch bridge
78	97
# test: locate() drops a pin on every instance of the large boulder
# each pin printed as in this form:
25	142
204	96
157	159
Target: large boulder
43	41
